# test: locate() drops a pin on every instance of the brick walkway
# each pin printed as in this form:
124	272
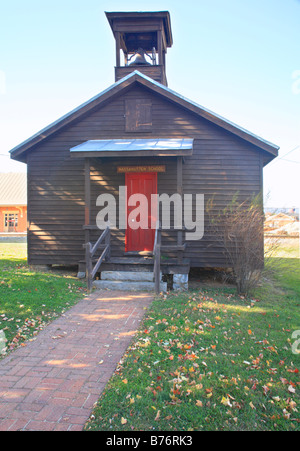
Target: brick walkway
53	382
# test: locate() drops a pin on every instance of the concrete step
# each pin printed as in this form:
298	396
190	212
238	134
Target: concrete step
140	276
125	285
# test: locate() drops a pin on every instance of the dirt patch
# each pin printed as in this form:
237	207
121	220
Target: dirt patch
210	277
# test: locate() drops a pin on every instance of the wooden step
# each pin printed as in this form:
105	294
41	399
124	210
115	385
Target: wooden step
147	261
168	266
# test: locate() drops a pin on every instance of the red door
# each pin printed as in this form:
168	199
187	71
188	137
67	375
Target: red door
141	238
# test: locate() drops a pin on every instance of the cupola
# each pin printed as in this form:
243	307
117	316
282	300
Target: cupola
142	40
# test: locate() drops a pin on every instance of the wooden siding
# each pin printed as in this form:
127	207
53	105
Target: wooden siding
221	165
156	72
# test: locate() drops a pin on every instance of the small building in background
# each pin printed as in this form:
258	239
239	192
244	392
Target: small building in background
13	203
278	220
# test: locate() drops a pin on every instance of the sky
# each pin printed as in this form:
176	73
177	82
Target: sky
240	59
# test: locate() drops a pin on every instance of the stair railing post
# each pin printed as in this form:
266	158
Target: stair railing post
89	268
107	243
157	251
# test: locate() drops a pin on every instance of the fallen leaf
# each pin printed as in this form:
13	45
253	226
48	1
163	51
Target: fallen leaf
226	402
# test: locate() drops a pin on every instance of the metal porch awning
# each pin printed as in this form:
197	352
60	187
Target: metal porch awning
133	148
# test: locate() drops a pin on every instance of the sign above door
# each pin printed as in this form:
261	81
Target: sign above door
153	168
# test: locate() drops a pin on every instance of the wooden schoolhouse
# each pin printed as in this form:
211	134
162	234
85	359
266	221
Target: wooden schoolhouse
138	134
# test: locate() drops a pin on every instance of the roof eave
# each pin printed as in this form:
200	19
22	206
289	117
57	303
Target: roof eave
12	204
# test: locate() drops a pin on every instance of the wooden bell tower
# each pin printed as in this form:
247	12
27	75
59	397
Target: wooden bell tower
142	40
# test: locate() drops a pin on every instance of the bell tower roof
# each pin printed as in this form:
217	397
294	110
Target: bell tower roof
140	17
142	39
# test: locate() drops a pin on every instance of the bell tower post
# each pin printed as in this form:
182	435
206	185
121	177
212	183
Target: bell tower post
142	40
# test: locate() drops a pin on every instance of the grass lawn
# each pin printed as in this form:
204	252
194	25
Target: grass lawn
29	300
211	360
203	360
285	247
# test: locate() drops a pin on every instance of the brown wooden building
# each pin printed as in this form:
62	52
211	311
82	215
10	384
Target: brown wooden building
140	134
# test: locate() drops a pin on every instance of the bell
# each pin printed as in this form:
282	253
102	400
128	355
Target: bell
140	59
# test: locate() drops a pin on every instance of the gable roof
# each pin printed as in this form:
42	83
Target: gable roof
13	189
137	77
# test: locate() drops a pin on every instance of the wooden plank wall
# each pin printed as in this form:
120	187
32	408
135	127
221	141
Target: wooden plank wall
155	72
220	166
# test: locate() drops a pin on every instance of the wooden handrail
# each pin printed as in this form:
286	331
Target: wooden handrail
99	241
90	251
157	257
